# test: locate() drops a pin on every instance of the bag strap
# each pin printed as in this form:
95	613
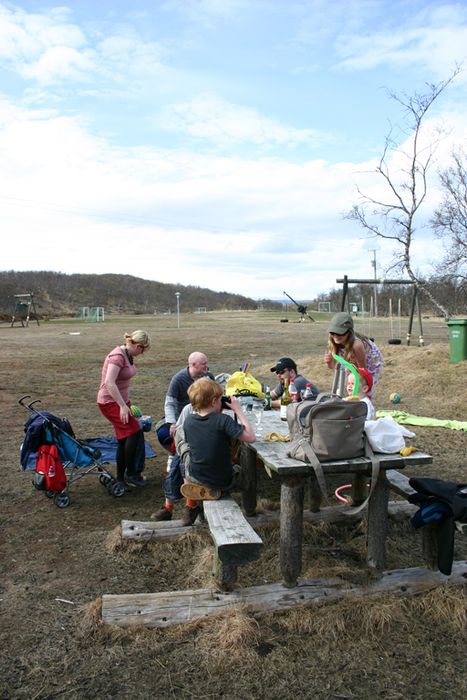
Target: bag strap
316	464
375	470
318	469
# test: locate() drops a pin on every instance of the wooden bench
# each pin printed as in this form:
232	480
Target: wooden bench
235	541
399	483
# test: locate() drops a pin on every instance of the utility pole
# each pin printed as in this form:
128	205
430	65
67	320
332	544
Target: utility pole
373	264
177	294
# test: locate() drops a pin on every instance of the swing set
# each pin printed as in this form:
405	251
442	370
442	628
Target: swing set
415	307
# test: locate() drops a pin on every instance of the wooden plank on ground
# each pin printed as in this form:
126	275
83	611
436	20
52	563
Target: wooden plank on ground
179	607
145	530
142	531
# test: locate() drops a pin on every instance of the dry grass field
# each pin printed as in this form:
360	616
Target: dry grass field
56	564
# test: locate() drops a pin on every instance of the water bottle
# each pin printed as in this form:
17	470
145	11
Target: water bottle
293	391
307	394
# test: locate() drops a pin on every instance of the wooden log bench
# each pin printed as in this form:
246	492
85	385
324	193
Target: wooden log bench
235	541
151	530
179	607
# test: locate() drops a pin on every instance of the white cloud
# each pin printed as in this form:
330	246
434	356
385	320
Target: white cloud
80	205
212	119
435	40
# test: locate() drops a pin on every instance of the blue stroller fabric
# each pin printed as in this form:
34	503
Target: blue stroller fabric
106	445
34	430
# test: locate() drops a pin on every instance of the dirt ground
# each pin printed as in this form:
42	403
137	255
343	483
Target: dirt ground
56	564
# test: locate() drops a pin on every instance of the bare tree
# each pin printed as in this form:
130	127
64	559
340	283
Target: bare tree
405	182
449	220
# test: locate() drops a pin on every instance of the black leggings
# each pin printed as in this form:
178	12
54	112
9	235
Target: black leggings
126	452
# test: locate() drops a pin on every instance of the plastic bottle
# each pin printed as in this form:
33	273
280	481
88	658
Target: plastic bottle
285	400
307	394
293	391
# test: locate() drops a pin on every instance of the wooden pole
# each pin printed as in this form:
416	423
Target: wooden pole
291	529
248	463
378	524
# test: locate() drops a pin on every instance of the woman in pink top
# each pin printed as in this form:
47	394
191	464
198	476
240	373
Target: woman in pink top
113	401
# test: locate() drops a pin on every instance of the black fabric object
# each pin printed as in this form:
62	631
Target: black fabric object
444	496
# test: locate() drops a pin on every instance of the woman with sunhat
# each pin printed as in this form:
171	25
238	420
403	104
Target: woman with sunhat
353	347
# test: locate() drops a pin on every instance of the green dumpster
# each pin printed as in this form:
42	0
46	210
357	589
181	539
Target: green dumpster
458	339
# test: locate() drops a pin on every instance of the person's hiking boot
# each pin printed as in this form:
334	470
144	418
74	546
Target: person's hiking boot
190	514
200	492
135	480
162	514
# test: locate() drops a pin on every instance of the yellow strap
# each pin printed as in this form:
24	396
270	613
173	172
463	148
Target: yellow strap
275	437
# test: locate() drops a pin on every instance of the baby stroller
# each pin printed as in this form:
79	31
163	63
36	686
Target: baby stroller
78	459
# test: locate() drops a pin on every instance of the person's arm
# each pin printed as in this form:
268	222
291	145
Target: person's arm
111	385
170	412
181	445
276	393
248	434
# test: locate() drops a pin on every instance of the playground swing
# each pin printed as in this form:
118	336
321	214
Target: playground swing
392	340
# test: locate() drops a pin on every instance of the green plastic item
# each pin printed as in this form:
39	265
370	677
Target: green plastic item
457	339
352	369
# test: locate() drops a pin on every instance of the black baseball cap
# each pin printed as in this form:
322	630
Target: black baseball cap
284	363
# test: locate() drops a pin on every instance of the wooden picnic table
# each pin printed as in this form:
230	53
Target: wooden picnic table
293	476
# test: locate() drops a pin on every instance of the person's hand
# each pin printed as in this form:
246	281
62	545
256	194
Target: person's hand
124	414
328	357
235	404
172	429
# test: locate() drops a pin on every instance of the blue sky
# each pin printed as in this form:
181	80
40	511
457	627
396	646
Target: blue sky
213	142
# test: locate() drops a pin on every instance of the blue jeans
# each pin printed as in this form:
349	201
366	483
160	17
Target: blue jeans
174	479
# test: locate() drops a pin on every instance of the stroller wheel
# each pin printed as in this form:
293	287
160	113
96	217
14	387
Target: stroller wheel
62	500
104	479
50	494
116	489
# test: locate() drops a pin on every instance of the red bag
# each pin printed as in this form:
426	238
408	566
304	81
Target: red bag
50	474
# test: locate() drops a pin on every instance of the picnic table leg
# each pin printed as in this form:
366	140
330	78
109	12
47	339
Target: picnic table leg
291	529
248	463
378	524
430	545
225	574
359	489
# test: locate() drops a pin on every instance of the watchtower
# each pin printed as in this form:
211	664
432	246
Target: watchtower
22	309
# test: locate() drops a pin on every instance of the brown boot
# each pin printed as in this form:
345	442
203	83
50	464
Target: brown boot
162	514
190	514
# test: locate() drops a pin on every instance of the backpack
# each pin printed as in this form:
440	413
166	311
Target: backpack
50	474
332	426
329	428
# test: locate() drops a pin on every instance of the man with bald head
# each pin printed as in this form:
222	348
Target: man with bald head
176	399
177	396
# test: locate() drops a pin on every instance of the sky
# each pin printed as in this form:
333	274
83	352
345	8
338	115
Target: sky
216	143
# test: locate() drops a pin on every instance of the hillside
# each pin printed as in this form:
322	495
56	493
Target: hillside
58	294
